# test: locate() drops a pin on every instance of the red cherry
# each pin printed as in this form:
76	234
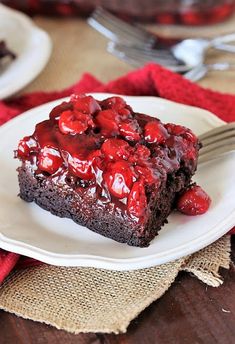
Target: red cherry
175	129
119	178
57	110
116	149
220	12
84	118
166	18
180	130
124	113
86	104
49	159
142	152
155	132
137	201
146	174
193	18
193	201
130	130
190	153
69	123
189	135
81	167
116	103
26	146
232	231
75	96
108	120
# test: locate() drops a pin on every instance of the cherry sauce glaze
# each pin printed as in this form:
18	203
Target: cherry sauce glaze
105	148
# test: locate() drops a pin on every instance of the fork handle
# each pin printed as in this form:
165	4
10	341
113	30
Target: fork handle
220	42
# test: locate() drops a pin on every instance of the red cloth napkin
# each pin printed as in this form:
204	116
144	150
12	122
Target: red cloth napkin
151	80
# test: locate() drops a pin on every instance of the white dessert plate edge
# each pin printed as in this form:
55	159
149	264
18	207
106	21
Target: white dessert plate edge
124	261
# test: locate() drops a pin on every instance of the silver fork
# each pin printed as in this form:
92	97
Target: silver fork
217	141
118	30
138	57
201	70
187	52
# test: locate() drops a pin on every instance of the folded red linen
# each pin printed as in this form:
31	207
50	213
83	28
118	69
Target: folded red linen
151	80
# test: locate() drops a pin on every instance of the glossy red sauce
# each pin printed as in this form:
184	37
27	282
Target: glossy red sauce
107	147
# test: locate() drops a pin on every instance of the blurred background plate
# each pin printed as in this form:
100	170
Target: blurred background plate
31	45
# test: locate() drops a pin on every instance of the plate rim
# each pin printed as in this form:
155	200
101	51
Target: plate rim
107	263
45	53
119	264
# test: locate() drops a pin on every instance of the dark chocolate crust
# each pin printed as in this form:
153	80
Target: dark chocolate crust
63	201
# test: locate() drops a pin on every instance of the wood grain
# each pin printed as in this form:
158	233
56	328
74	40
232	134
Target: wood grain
189	312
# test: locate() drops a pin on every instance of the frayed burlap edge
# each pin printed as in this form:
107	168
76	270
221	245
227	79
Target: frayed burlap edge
205	264
95	300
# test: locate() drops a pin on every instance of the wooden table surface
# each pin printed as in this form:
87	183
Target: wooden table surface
190	312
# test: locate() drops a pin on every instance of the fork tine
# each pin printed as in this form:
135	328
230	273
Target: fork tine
120	55
118	30
135	53
140	59
227	142
219	137
216	153
114	33
143	51
135	30
217	141
135	60
217	131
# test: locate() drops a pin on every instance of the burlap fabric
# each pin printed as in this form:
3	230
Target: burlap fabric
88	299
95	300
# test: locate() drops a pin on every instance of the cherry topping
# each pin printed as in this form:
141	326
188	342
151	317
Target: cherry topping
137	201
180	130
146	174
57	110
86	104
155	132
175	129
190	153
26	146
124	113
125	152
116	103
49	159
69	123
108	120
194	201
82	167
119	178
142	152
116	149
84	118
130	130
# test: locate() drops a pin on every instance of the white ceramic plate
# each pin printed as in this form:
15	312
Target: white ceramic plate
31	45
27	229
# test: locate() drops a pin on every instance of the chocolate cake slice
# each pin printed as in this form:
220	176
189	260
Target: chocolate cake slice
106	167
